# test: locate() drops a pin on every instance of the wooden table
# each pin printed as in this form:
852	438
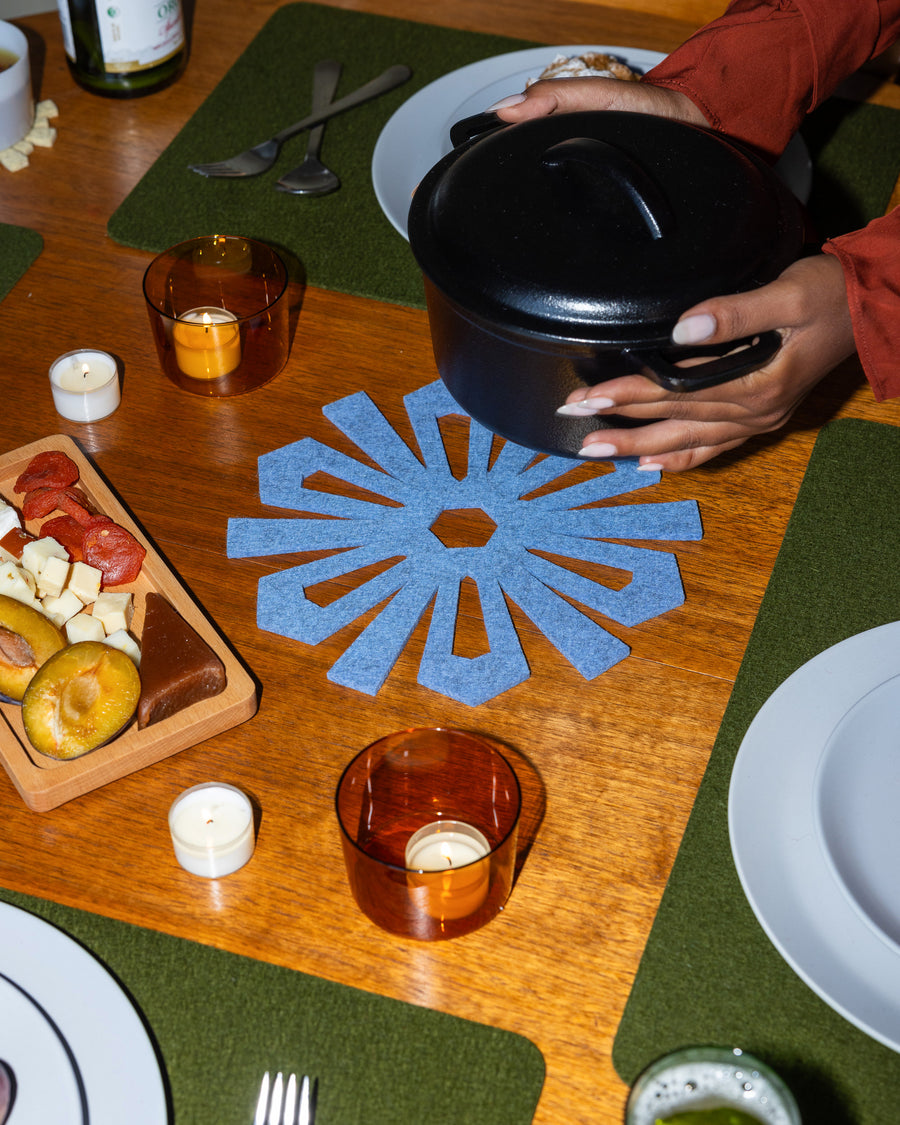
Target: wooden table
618	760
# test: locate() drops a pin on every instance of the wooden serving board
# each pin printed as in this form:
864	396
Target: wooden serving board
46	783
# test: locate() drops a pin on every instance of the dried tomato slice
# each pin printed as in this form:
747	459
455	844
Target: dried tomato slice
51	469
68	533
113	550
40	502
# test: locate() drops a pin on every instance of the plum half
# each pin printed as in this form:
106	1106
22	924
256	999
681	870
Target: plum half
83	696
27	640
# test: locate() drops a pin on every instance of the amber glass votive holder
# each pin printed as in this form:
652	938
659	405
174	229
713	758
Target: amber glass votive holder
428	821
219	314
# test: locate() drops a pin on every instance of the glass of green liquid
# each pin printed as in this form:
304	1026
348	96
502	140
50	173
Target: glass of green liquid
710	1086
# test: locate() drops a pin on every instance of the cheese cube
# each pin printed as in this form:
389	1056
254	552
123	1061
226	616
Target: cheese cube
13	161
17	583
84	627
60	609
53	577
115	609
84	581
122	640
36	553
42	134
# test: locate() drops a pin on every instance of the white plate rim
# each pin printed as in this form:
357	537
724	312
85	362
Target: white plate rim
824	818
417	134
776	849
94	1015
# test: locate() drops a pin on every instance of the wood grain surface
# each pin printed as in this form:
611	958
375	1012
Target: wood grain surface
609	768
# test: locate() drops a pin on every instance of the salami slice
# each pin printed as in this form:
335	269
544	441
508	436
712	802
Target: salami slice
68	533
51	469
113	551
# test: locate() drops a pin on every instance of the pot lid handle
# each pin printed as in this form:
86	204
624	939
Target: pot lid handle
471	127
752	352
611	163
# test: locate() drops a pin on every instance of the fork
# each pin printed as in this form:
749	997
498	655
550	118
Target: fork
261	157
284	1108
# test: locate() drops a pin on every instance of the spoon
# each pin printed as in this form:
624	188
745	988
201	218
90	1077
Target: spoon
312	177
7	1090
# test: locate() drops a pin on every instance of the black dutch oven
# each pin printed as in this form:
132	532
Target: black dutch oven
560	252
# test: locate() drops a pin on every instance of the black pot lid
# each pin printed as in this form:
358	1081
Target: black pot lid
601	227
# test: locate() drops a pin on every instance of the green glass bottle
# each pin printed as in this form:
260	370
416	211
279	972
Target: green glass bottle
123	48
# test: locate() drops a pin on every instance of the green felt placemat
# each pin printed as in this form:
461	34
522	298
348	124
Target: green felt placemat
855	150
19	247
709	974
220	1020
343	241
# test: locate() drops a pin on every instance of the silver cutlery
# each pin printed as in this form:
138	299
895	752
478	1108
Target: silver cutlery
261	157
284	1107
312	177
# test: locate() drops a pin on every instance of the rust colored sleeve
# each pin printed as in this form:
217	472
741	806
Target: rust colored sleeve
764	64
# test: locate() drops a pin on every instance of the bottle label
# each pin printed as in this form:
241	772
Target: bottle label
137	34
65	20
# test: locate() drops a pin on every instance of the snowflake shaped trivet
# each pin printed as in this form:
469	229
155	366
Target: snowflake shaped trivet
369	532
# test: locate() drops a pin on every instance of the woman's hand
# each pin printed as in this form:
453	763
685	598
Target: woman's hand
565	95
807	304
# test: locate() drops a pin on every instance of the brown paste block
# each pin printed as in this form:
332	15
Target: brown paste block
178	667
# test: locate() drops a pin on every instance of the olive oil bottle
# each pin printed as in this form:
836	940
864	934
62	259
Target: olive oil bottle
123	48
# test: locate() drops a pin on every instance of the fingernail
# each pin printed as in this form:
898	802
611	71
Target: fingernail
650	467
576	409
504	103
694	329
598	449
597	402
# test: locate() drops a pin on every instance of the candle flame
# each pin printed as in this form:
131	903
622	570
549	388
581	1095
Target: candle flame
85	371
447	854
207	321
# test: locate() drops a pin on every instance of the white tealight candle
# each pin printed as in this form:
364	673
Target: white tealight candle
212	829
85	385
448	863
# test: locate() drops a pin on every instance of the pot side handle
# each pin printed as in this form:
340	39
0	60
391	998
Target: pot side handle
755	351
607	163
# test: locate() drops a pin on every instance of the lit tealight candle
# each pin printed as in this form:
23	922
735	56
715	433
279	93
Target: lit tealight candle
85	385
448	861
212	830
207	342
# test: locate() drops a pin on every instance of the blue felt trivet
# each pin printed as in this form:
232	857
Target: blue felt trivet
556	523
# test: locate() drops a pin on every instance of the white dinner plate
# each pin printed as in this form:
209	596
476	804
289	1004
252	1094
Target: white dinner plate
48	1085
856	798
109	1046
418	134
783	868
